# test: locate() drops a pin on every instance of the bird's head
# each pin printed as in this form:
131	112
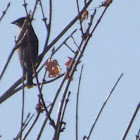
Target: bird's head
19	22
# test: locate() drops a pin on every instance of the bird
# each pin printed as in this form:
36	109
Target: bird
27	48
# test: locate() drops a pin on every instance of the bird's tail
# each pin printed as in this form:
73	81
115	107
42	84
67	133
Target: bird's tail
29	79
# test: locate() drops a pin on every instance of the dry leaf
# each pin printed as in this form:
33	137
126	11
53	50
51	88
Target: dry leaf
84	15
106	3
53	68
68	64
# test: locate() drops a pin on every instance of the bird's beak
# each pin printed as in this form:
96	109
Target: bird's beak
14	22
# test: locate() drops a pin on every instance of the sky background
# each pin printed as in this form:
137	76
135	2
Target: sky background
114	49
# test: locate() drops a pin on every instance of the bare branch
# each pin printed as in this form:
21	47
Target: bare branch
26	122
47	48
4	12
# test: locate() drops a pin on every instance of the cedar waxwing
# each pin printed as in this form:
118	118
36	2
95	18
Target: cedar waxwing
27	50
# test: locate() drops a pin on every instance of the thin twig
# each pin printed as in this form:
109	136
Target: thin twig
26	122
4	12
43	80
49	24
66	102
42	128
98	21
25	6
63	112
138	135
78	9
131	121
65	40
90	25
44	18
74	42
69	48
23	98
31	126
103	106
34	9
77	102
